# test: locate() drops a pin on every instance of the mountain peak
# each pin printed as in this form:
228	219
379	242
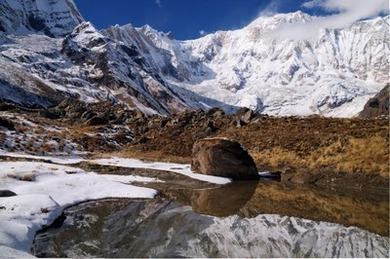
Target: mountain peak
54	18
150	31
280	19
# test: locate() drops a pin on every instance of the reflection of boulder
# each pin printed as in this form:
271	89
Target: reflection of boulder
223	201
222	157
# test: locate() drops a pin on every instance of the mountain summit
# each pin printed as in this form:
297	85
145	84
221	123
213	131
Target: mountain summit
49	53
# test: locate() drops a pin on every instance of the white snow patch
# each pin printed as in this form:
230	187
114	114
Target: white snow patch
131	178
51	188
58	160
183	169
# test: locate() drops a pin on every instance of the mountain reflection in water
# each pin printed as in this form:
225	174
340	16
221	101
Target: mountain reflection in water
242	219
367	210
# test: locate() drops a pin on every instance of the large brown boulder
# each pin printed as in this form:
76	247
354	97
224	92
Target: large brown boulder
223	157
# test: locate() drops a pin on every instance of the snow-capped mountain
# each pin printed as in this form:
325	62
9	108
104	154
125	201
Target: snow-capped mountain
37	70
52	17
333	74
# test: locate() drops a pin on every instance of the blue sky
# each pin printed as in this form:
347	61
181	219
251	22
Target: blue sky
186	19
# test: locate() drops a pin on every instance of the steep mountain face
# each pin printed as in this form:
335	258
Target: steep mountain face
37	70
51	17
333	74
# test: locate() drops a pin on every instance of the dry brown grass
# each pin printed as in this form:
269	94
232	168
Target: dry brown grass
368	155
277	158
311	144
77	131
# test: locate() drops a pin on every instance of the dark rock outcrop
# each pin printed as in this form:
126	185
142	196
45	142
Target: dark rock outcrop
215	112
223	157
244	116
7	124
6	193
378	105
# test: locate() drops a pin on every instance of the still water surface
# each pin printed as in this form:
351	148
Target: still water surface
242	219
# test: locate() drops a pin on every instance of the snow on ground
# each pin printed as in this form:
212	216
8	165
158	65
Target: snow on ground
43	190
65	160
183	169
130	178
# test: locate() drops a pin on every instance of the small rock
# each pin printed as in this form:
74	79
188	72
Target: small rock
8	124
97	120
45	210
244	116
216	112
6	193
88	115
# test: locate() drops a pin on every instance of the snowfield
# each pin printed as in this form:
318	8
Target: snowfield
43	190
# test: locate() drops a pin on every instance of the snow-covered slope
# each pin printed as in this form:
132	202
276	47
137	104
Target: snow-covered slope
40	201
51	17
333	74
37	70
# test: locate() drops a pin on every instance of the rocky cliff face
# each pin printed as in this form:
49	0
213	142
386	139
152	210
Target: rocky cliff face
332	74
41	71
377	105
